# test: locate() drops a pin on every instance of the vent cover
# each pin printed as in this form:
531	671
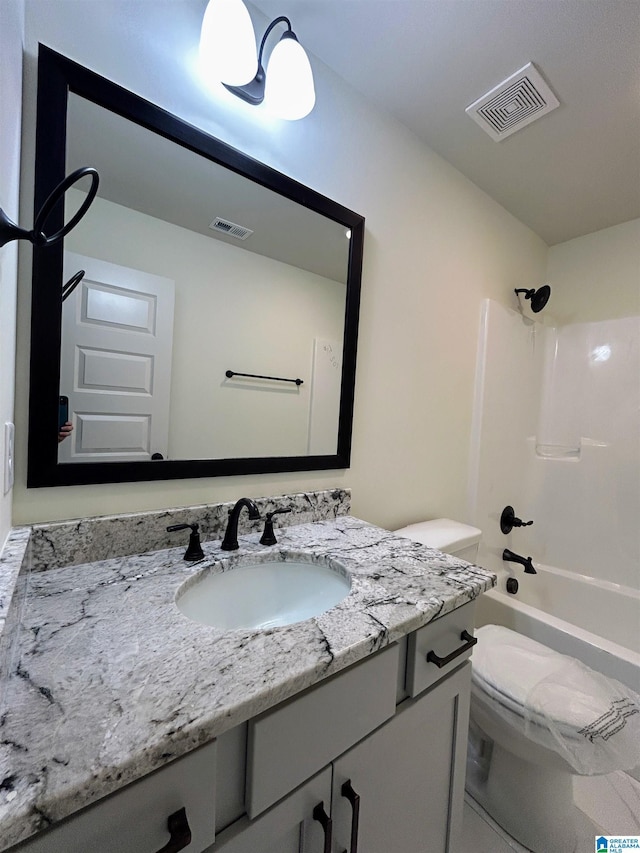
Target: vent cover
513	104
230	228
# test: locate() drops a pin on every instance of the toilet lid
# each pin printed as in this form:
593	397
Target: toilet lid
442	533
524	674
590	720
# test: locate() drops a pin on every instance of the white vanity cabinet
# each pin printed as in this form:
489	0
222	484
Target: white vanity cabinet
408	776
399	788
288	827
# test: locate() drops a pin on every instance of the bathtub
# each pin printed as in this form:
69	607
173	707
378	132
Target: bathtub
595	621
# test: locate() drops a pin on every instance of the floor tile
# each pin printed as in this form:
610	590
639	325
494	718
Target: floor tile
611	801
480	836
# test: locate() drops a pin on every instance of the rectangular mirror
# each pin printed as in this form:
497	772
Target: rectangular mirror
214	329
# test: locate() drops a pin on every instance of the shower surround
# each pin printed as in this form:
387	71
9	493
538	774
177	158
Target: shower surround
556	436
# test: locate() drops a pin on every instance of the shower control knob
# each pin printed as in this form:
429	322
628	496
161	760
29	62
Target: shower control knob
512	585
508	520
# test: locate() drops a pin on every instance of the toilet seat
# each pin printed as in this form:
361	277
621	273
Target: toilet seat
555	700
525	721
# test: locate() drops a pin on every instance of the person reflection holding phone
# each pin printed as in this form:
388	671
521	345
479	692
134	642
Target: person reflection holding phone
65	430
65	427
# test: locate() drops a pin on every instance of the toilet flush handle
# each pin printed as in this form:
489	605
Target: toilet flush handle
470	641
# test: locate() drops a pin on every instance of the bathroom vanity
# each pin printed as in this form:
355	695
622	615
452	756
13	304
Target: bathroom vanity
333	734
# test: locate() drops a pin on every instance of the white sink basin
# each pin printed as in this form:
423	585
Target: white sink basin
265	594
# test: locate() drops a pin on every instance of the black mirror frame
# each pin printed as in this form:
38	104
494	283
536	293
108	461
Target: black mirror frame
57	77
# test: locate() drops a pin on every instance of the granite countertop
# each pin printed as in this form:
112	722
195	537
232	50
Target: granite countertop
112	681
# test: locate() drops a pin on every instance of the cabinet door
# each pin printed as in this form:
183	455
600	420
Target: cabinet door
287	827
134	819
409	776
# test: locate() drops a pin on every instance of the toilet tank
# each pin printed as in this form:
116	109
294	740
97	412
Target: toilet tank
452	537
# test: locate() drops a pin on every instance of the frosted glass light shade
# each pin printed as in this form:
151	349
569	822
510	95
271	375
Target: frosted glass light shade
228	43
289	91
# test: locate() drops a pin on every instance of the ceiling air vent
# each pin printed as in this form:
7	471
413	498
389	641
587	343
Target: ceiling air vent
513	104
230	228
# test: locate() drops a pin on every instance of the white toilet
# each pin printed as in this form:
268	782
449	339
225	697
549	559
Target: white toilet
537	719
549	717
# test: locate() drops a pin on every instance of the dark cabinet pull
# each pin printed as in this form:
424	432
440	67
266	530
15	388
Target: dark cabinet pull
179	831
470	641
320	815
348	792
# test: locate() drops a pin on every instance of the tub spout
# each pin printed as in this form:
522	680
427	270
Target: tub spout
510	557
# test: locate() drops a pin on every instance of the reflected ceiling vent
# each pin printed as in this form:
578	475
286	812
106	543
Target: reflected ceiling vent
513	104
230	228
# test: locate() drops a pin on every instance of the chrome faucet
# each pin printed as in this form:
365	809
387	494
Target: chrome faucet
510	557
230	541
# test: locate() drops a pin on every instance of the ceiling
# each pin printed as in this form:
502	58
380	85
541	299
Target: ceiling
572	172
142	170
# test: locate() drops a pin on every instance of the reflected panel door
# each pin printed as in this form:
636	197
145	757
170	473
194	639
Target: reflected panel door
117	339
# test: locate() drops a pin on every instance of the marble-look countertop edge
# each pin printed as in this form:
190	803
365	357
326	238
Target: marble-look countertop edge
12	556
14	564
163	746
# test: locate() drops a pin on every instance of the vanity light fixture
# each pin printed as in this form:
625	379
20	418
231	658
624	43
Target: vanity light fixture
228	43
227	50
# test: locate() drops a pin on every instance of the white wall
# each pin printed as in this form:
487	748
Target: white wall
596	277
11	34
253	315
435	247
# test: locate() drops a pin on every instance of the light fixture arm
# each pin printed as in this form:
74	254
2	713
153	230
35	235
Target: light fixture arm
253	91
281	20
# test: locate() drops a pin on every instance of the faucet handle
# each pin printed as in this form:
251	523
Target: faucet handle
268	537
194	549
508	520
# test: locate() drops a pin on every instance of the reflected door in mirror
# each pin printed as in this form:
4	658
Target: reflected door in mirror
115	365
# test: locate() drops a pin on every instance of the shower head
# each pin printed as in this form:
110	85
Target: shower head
539	297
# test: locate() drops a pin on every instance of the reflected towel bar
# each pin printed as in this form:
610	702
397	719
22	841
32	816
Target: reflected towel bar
230	373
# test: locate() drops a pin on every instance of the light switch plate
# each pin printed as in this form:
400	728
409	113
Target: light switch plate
9	454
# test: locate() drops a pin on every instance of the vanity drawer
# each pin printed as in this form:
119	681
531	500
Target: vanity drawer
134	820
298	738
443	638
